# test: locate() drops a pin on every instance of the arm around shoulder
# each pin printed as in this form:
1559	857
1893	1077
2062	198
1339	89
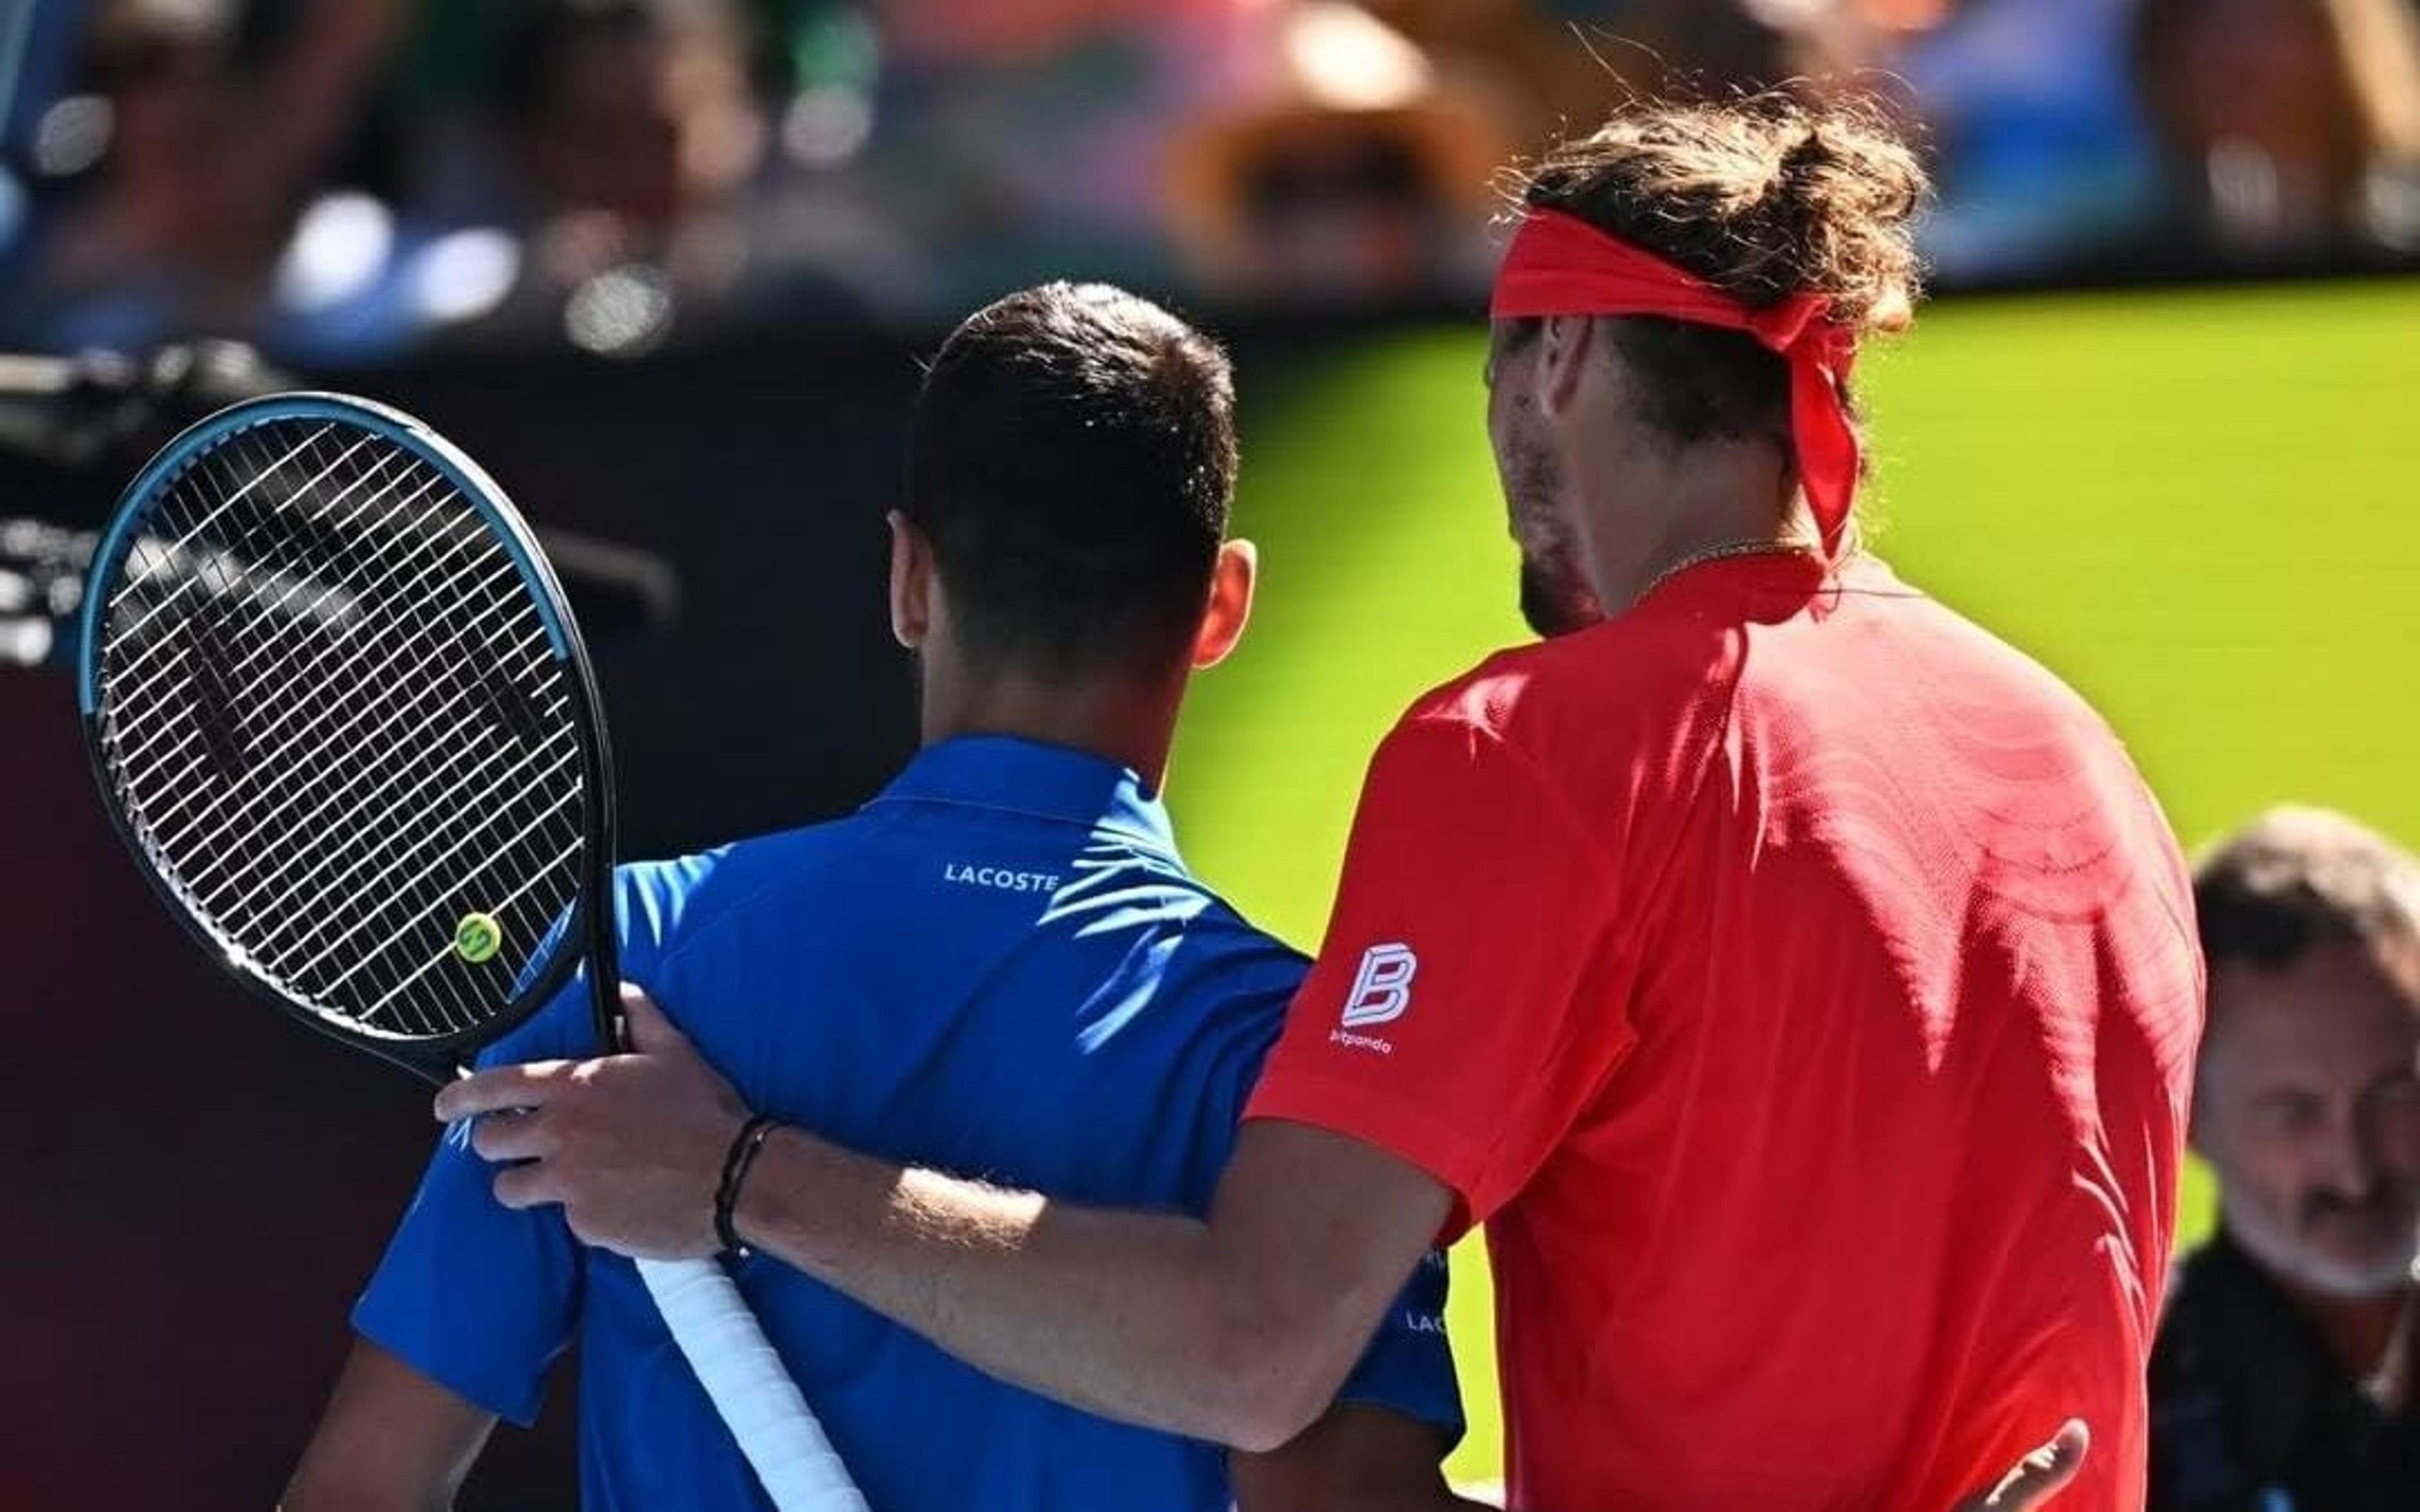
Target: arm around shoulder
1238	1330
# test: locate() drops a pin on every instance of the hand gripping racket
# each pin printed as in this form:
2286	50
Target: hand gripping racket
339	709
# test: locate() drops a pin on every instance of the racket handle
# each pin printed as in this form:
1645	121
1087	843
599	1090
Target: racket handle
750	1389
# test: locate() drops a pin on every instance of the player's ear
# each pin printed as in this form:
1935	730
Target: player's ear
1565	347
911	582
1231	602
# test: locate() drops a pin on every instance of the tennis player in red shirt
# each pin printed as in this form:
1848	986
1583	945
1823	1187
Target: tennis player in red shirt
1798	983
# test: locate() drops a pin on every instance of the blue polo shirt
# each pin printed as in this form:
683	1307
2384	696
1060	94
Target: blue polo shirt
999	967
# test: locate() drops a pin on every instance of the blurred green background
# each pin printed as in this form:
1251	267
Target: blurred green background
2196	506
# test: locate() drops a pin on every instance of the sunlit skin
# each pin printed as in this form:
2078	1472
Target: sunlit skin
2308	1109
1555	595
1598	501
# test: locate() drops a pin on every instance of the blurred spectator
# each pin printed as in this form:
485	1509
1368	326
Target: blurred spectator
613	108
1355	173
1028	140
344	180
613	144
2290	125
610	184
2283	1373
1741	44
2044	156
1559	66
1541	73
208	139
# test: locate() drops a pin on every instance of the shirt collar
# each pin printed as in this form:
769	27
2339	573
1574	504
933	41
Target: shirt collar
1010	775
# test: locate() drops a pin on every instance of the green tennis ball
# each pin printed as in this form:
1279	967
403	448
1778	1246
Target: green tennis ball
478	937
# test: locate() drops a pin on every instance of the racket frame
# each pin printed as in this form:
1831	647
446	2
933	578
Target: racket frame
709	1320
433	1058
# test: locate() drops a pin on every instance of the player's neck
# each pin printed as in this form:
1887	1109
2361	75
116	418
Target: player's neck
1712	498
1127	721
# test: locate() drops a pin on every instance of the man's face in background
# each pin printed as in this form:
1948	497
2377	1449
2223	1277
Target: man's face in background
2308	1108
1556	598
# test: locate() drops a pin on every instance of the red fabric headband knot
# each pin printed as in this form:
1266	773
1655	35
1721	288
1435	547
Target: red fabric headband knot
1559	264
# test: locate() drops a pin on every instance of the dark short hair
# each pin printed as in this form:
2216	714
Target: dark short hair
1071	460
2296	878
1764	196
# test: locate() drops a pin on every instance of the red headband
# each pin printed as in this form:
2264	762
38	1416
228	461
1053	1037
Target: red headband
1559	264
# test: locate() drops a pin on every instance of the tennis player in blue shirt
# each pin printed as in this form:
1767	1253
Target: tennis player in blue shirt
1000	964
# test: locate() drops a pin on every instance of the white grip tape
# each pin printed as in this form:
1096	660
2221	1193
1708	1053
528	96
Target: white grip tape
752	1390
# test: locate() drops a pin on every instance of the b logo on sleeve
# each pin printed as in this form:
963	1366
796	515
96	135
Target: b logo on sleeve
1382	991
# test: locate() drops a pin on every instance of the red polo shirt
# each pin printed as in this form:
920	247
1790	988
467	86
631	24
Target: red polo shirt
1800	985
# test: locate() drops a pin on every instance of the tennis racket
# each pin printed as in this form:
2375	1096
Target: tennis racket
340	711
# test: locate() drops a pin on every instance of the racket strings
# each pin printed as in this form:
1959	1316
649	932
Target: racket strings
277	725
386	880
212	572
219	586
245	670
295	746
317	606
187	559
334	708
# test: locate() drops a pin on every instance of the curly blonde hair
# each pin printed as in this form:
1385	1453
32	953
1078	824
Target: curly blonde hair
1762	195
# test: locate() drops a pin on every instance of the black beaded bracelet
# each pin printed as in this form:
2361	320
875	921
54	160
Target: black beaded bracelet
744	1146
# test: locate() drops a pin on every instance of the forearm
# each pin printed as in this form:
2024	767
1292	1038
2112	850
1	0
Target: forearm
1140	1317
390	1440
1238	1330
303	1496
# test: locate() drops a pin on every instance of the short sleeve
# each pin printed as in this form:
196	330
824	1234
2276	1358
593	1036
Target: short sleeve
476	1296
473	1295
1458	1015
1408	1368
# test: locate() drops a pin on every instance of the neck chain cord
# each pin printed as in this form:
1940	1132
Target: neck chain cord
1717	553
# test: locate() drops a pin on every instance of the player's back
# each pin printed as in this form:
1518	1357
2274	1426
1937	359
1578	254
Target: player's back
1000	968
1893	1155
